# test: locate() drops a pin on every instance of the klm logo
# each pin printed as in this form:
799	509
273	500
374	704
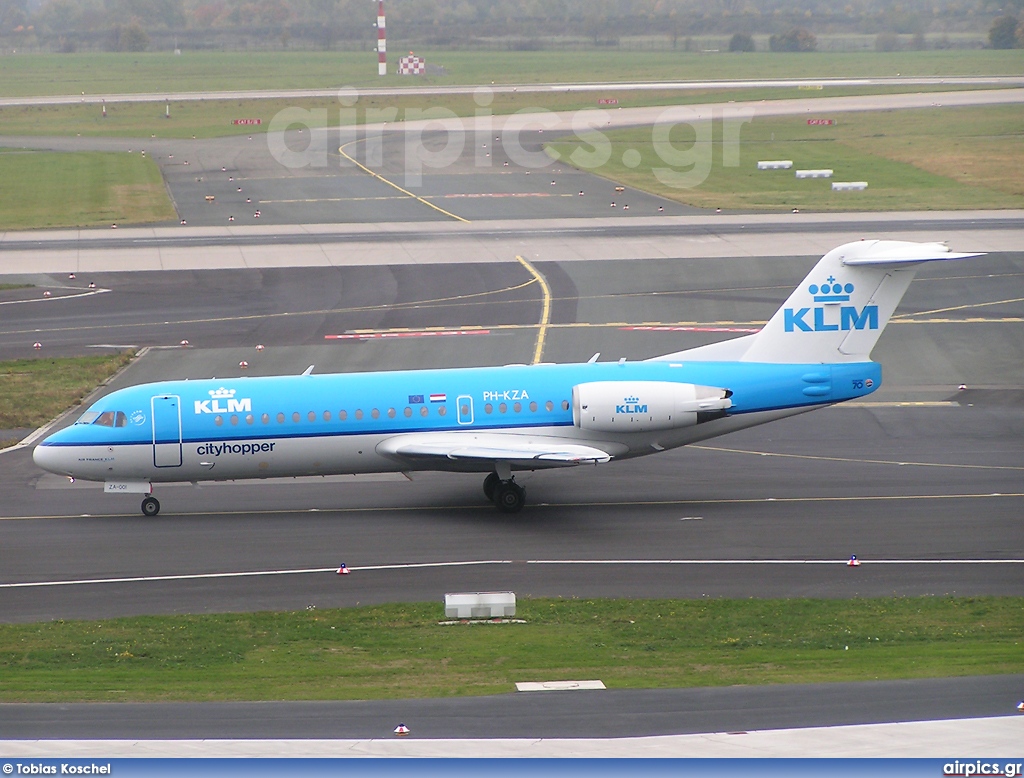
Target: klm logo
849	319
631	405
831	292
213	405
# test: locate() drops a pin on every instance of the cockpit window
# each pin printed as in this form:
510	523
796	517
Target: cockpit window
88	417
106	419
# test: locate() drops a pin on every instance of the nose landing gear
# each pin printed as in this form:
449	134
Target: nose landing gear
150	506
506	494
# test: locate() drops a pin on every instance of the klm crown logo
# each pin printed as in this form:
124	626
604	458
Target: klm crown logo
831	291
631	405
213	405
825	319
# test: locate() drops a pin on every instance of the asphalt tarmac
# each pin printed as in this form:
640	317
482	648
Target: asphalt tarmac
921	481
593	714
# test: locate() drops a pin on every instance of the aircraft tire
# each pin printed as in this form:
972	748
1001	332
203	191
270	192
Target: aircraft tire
510	497
150	506
490	485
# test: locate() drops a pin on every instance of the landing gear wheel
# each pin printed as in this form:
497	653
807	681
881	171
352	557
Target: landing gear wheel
150	506
490	484
509	497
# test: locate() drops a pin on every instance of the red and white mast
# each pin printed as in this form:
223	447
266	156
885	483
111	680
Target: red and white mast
382	45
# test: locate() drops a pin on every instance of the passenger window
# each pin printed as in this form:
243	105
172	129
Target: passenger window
549	406
375	413
218	420
391	413
342	415
565	405
501	407
424	410
327	415
234	420
533	407
359	413
105	419
442	411
280	418
408	413
122	420
488	408
249	419
517	407
296	417
311	415
265	418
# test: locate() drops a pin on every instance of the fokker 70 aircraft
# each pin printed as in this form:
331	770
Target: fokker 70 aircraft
815	351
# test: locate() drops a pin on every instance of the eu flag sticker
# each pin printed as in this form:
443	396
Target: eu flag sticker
415	399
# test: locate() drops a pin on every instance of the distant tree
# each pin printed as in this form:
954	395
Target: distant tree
918	42
741	41
130	38
887	41
1003	33
797	39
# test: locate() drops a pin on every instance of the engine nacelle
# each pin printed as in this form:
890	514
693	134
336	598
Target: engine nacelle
642	406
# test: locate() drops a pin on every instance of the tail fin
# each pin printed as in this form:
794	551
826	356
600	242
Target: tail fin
839	311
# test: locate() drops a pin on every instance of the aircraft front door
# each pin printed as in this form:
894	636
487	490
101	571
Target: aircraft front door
166	411
465	403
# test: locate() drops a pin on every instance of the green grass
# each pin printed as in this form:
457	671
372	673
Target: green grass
935	158
213	118
102	73
80	189
34	391
400	651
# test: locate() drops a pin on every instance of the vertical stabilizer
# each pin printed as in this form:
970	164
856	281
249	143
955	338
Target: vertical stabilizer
839	311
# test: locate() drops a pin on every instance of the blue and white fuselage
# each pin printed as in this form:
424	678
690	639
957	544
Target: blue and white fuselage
814	352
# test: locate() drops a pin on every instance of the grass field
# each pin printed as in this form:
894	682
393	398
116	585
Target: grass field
81	189
213	118
96	73
936	158
34	391
400	651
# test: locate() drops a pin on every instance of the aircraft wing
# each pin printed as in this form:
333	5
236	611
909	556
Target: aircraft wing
469	447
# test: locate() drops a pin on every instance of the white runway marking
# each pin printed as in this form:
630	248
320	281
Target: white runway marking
483	562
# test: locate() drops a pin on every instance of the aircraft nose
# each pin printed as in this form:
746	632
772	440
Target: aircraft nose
51	458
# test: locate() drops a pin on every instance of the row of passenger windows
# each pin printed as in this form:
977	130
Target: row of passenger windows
391	413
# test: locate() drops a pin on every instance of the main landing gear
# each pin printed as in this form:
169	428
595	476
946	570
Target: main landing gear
506	494
150	506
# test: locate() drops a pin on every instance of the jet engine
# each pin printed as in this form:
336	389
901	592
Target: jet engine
642	406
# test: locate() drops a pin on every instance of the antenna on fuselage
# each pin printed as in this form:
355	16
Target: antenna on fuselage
308	370
593	359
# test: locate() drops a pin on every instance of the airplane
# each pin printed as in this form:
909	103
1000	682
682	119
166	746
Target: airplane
814	352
